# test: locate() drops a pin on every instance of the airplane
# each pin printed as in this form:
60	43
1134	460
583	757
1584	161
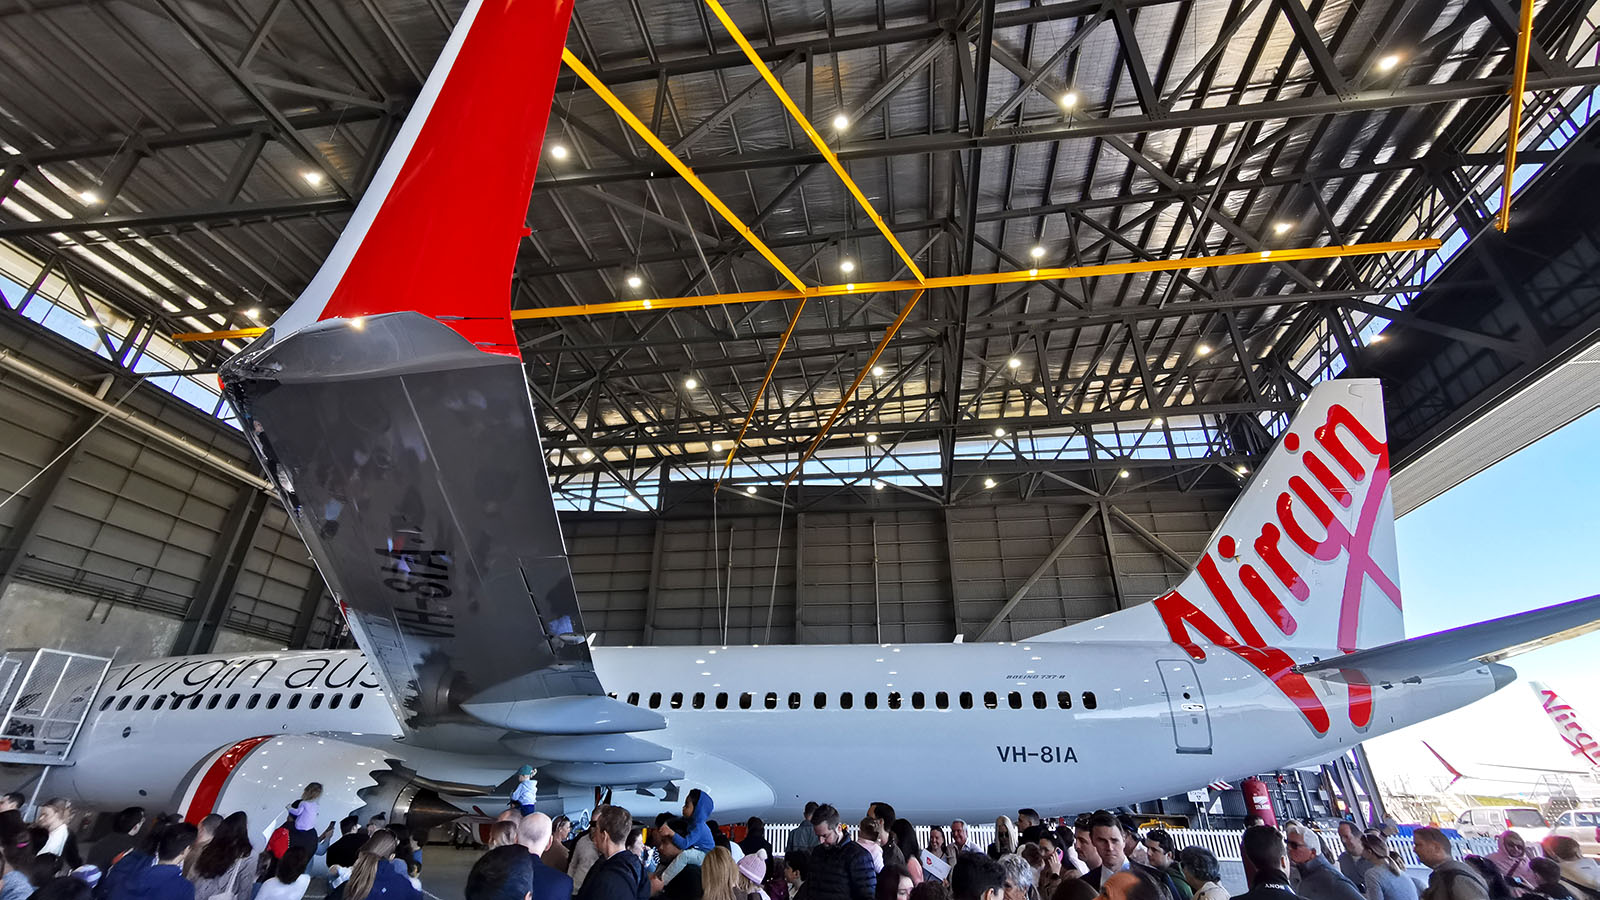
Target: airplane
1565	720
388	407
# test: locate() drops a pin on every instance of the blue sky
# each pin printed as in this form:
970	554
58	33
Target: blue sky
1517	536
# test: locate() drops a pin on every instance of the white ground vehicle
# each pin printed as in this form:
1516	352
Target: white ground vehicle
1492	821
1583	826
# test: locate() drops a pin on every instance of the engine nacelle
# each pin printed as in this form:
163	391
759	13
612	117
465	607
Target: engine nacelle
263	775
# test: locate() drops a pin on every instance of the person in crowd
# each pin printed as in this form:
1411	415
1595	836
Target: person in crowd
124	836
1162	851
1576	870
406	850
504	873
1020	883
938	847
534	832
53	832
207	826
12	800
1512	862
720	878
1110	845
676	859
904	835
526	793
871	840
697	809
302	823
226	867
894	883
1499	888
1546	880
930	890
977	877
558	855
618	874
1133	846
1385	875
1451	879
1262	850
959	843
65	887
682	878
753	874
1353	861
889	852
1202	873
1075	889
1318	878
755	837
802	836
1053	866
290	881
1083	846
719	838
838	869
1005	838
794	871
16	857
1138	882
883	812
343	852
584	855
374	876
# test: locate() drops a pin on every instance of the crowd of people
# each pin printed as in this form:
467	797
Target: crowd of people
690	856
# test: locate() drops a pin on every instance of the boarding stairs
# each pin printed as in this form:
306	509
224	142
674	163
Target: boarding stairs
46	695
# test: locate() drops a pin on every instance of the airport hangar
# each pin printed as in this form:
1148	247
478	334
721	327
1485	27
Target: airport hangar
1018	457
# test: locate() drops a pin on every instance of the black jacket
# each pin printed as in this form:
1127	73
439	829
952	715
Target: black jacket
1270	886
840	871
620	876
1096	875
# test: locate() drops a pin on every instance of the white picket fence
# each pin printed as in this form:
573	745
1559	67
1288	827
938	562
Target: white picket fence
1223	843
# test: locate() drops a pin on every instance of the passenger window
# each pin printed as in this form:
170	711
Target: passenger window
655	701
871	700
1088	700
1039	700
677	701
142	701
633	699
966	699
194	701
1064	699
212	703
916	700
772	700
355	700
294	701
233	700
990	701
794	699
106	704
941	700
316	700
253	702
272	702
746	699
722	700
123	703
335	700
699	701
894	699
820	699
1015	699
611	694
161	701
845	700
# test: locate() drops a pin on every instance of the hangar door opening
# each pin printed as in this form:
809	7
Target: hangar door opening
1191	722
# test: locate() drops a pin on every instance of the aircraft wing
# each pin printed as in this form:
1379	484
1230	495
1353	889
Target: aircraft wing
1459	649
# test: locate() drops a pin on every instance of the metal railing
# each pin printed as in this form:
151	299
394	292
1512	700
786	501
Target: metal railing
47	694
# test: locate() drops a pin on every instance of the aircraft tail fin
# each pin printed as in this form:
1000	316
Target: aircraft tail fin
1306	556
1455	774
1565	719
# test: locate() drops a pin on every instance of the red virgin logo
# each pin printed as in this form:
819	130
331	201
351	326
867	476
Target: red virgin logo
1300	510
1567	721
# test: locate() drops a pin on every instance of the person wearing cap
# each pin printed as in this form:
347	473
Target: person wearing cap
504	873
526	791
753	866
619	875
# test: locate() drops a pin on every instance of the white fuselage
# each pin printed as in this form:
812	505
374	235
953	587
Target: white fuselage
907	735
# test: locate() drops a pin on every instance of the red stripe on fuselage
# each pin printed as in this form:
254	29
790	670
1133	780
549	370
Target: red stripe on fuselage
205	796
445	239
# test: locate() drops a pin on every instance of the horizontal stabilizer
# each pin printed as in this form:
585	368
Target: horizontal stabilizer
1457	649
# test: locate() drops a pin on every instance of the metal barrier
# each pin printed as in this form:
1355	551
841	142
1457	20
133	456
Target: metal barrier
46	695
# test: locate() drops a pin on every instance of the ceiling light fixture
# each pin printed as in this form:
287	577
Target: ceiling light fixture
690	383
89	322
877	485
1124	473
1281	227
872	438
1157	421
1243	470
716	446
253	312
1069	99
1203	349
1037	252
312	177
750	489
559	151
1389	62
635	281
847	266
841	122
988	483
90	198
877	371
1000	432
1014	363
586	455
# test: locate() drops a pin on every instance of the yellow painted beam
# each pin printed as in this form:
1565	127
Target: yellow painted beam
1519	84
854	386
816	139
870	287
760	392
677	164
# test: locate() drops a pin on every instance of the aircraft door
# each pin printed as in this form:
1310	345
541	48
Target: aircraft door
1191	722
